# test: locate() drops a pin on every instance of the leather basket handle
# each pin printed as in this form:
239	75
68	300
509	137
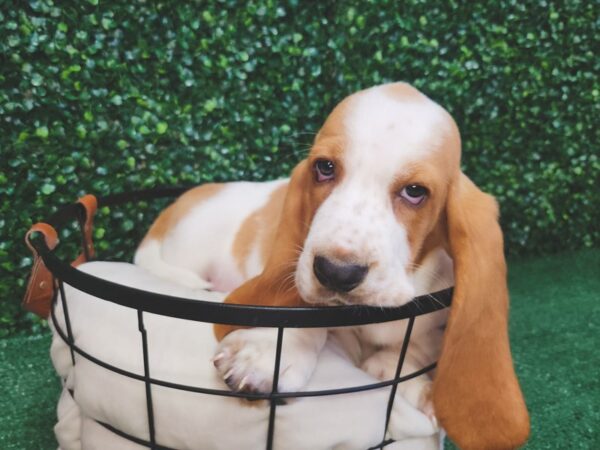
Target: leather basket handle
90	205
41	284
40	287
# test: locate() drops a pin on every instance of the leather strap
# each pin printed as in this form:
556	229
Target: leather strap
41	285
90	204
40	288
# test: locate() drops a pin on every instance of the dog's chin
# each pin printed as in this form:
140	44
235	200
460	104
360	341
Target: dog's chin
324	297
328	298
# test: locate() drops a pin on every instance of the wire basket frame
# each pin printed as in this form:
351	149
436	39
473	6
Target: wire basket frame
230	314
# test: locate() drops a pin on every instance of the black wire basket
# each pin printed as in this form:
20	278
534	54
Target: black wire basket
210	312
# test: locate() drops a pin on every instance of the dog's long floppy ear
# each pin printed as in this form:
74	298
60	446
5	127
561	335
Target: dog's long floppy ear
275	286
476	395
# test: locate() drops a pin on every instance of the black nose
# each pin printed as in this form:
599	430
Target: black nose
338	277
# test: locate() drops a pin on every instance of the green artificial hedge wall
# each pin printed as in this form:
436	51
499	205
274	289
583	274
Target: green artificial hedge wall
104	97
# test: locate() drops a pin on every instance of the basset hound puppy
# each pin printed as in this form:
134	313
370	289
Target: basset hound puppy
377	213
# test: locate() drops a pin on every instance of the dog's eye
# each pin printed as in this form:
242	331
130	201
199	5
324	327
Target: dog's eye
324	170
414	194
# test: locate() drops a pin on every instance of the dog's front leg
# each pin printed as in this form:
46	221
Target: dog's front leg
245	358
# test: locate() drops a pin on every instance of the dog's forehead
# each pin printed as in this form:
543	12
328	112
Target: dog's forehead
393	126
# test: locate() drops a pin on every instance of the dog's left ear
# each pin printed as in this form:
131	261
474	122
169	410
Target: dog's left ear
275	286
476	394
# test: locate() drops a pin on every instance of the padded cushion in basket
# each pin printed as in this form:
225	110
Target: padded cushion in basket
180	352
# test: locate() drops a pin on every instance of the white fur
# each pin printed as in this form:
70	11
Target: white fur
149	256
197	252
180	351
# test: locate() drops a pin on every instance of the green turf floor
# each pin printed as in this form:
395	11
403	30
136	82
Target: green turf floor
29	390
555	321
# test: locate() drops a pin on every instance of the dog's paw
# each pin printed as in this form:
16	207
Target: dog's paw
245	359
417	391
381	364
413	414
406	421
425	404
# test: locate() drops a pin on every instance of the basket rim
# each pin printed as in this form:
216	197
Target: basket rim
217	312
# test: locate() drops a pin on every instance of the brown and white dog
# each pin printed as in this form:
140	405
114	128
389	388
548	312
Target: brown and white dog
377	213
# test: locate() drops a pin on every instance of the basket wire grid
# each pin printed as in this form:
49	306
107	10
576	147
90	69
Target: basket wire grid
210	312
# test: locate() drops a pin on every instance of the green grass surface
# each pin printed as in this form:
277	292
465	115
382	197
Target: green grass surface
555	329
29	389
555	316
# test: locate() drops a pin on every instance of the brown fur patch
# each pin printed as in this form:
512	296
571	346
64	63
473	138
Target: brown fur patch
260	226
271	216
425	224
170	216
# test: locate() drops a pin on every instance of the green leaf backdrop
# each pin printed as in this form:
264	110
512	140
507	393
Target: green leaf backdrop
105	97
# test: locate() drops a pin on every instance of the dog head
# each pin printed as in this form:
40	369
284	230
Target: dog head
380	168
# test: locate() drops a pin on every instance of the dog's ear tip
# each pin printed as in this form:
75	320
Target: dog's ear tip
496	442
483	411
509	432
522	430
521	423
514	430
